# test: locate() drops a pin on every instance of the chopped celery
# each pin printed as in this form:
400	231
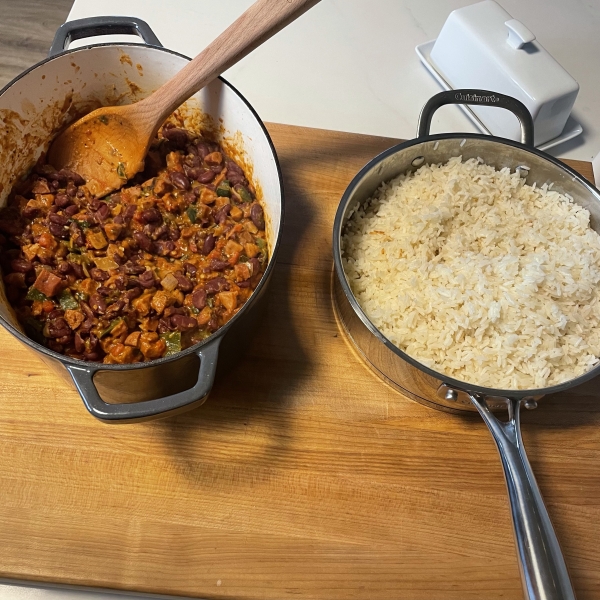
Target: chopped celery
173	341
110	327
192	213
66	301
35	295
224	188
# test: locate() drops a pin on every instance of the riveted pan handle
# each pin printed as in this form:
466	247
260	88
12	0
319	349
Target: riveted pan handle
481	98
543	570
94	26
83	377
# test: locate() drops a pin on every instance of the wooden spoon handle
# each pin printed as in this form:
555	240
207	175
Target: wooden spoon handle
261	21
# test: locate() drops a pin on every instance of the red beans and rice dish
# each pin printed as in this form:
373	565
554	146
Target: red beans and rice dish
143	273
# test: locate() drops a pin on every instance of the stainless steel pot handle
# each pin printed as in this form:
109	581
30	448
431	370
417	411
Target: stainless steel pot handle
543	569
83	377
482	98
94	26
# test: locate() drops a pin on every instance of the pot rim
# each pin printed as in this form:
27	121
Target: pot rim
341	275
255	294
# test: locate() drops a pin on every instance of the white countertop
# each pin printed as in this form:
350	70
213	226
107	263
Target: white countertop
350	65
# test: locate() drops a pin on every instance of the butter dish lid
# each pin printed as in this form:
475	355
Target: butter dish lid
483	46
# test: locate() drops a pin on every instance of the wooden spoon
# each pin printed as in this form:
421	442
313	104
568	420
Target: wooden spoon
108	146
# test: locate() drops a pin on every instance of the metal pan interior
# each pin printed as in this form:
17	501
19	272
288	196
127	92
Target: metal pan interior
536	167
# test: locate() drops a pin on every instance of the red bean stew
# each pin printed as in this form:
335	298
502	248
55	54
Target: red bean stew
142	273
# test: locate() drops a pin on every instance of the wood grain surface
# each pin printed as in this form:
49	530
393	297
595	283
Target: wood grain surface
27	28
303	475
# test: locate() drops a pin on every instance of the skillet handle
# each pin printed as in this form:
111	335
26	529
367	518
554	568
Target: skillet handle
481	98
93	26
543	570
83	377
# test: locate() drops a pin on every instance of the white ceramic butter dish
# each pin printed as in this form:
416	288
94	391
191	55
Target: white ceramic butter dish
481	46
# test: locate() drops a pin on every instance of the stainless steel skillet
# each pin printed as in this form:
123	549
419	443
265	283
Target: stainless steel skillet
543	569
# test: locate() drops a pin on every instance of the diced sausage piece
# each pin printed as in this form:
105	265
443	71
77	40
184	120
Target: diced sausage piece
162	186
160	301
113	231
47	282
242	271
40	187
74	318
122	354
151	345
252	250
204	317
214	158
133	339
228	300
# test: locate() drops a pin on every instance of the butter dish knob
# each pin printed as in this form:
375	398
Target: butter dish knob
518	34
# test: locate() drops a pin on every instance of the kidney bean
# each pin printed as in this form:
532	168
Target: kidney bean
258	216
58	230
102	213
150	215
56	328
55	185
244	284
97	304
158	232
71	189
190	269
221	214
77	270
119	220
178	137
79	343
218	284
92	356
132	269
255	265
133	293
87	311
114	309
62	200
56	313
173	310
209	244
142	240
203	149
206	176
120	281
129	211
66	339
218	265
29	212
183	322
21	265
86	326
183	283
147	279
216	168
71	210
58	219
199	299
98	274
179	180
174	233
164	247
235	175
192	172
103	291
163	326
64	267
213	323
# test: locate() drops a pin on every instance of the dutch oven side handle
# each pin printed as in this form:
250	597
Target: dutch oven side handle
543	570
83	377
481	98
94	26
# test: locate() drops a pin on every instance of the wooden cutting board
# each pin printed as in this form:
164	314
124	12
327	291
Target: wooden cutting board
303	475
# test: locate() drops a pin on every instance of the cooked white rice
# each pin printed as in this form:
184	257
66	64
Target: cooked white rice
479	276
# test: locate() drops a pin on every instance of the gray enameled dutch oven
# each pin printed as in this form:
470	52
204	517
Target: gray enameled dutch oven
541	563
35	105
